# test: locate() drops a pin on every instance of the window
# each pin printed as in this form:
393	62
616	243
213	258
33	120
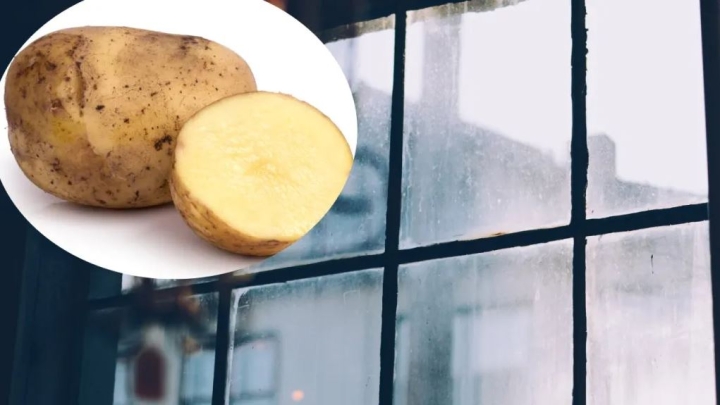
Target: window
402	360
491	110
645	104
255	366
504	237
649	311
196	381
323	346
490	328
488	348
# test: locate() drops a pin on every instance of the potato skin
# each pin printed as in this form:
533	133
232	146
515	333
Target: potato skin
206	224
94	112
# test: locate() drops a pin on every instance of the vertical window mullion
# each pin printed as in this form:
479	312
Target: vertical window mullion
710	23
394	212
222	344
579	170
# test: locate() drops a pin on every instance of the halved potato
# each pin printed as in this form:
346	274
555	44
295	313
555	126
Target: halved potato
254	172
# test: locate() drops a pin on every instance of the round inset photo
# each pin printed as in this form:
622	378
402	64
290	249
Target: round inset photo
175	139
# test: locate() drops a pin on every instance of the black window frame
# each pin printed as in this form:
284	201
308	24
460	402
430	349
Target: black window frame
578	229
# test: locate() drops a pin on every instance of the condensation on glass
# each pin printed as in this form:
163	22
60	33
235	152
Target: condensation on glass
492	328
165	357
487	120
645	106
649	308
315	341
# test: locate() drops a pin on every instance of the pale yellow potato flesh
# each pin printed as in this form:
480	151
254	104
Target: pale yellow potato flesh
255	172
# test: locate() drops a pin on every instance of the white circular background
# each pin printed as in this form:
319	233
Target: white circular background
284	56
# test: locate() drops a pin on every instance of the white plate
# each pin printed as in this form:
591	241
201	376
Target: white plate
284	56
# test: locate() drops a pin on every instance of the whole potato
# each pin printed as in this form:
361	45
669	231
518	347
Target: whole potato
94	112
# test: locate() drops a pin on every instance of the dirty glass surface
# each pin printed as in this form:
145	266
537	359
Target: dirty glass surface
315	341
487	120
649	308
645	106
492	328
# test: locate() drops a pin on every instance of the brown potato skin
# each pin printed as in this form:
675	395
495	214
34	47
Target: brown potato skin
94	112
207	225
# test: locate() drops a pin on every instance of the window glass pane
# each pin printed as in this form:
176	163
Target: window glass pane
121	389
493	328
402	360
164	356
487	120
315	341
254	368
196	383
649	306
645	106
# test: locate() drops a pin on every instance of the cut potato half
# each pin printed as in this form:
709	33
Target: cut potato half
255	172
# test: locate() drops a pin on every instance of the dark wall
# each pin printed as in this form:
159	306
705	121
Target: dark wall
13	226
50	328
